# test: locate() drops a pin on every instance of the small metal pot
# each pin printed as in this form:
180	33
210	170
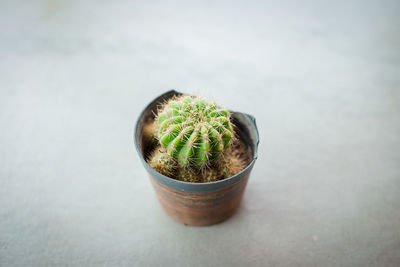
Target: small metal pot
199	204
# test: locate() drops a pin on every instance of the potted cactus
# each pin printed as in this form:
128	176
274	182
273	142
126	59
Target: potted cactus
199	156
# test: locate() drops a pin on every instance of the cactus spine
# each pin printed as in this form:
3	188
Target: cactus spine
194	132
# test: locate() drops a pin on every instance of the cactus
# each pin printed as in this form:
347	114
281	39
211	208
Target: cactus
193	131
199	176
230	165
195	141
162	162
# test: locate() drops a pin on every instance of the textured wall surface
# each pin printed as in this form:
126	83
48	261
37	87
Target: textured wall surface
321	77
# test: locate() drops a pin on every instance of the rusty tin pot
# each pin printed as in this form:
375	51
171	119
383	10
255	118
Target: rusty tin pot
199	204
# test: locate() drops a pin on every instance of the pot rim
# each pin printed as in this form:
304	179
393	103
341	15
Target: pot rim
197	187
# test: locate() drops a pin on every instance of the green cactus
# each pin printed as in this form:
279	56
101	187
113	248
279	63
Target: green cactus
193	131
194	137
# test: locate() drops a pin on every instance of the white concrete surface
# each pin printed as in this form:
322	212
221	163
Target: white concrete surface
321	77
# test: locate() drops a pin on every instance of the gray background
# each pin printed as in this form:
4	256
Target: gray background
321	77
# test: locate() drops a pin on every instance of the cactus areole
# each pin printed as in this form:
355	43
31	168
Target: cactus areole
193	131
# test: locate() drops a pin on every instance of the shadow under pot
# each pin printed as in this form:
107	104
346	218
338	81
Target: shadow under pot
199	204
